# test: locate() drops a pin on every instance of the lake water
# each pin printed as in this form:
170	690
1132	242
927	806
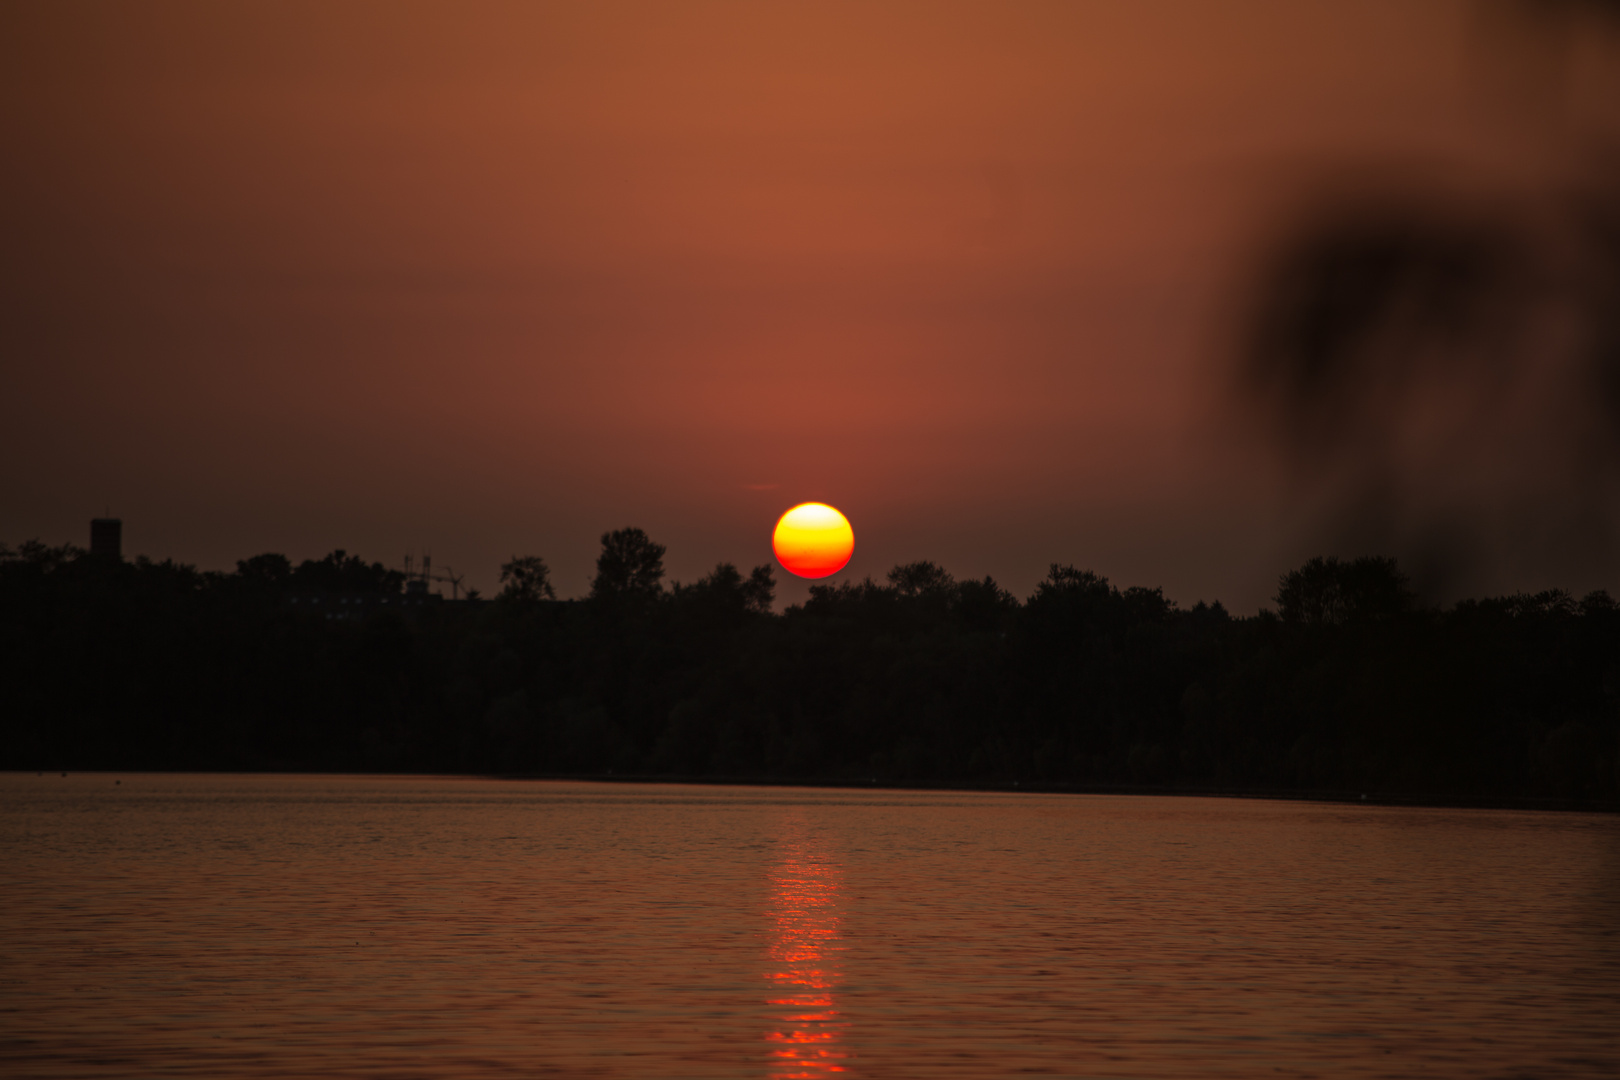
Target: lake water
256	926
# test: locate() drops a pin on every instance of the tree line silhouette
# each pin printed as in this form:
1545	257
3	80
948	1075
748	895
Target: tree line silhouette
1349	686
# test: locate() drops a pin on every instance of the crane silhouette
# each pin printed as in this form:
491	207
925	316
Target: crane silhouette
420	578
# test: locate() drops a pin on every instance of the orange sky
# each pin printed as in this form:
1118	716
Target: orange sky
491	279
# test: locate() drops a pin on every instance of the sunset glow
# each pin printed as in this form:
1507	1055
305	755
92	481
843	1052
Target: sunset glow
813	540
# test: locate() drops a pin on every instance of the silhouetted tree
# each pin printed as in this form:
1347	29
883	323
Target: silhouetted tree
34	557
342	572
1068	602
527	579
267	571
983	605
1065	583
725	590
759	591
630	568
1327	592
919	579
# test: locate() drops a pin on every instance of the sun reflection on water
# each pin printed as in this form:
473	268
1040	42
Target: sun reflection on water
807	1036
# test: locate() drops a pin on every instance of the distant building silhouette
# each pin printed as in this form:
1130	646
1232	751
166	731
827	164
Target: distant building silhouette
107	537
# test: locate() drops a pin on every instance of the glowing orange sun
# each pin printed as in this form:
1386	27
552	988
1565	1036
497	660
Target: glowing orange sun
813	540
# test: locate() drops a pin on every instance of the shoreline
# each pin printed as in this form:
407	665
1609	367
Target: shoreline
1342	797
1352	798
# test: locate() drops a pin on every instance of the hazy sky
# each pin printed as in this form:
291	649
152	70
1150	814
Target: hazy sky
492	279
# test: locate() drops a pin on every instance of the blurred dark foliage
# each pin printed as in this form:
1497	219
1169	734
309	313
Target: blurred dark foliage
1434	354
1353	686
1445	384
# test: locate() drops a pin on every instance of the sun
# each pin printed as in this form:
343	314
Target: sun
813	540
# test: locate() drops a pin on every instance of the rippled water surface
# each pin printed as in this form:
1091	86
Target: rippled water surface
228	926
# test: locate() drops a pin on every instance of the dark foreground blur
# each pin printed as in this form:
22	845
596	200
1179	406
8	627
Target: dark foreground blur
1432	351
1350	686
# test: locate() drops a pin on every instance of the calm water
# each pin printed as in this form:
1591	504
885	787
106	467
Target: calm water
360	926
